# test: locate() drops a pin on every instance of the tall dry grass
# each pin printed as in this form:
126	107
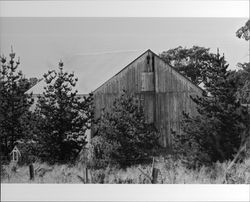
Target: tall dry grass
171	172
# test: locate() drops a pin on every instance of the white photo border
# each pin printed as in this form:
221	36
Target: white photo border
125	8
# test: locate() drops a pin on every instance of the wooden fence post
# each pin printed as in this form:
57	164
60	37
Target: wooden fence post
86	175
155	172
31	169
155	175
153	164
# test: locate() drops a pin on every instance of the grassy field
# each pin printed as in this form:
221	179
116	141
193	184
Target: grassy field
170	173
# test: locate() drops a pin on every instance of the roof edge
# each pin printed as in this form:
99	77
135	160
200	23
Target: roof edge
202	90
122	70
149	50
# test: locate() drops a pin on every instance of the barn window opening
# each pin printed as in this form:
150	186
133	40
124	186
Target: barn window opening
153	64
148	59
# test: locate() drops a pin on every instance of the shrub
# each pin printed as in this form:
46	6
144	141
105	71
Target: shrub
124	137
222	124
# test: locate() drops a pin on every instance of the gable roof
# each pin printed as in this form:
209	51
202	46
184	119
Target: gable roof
196	86
95	70
189	80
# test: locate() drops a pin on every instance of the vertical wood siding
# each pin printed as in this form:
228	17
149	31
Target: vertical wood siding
172	98
165	93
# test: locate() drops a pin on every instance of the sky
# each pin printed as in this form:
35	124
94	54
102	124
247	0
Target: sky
42	42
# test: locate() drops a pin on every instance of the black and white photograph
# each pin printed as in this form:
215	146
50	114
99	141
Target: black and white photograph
124	100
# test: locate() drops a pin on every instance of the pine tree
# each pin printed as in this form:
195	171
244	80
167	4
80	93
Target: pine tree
124	137
65	117
14	103
242	77
219	130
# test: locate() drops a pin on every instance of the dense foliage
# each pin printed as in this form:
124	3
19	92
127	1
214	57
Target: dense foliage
222	123
124	137
14	103
188	61
63	118
242	78
244	31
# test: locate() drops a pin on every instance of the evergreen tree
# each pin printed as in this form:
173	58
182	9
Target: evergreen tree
65	117
14	103
242	77
124	137
222	124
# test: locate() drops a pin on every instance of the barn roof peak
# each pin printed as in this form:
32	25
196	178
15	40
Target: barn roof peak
154	54
95	69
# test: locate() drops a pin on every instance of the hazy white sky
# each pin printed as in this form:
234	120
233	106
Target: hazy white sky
42	42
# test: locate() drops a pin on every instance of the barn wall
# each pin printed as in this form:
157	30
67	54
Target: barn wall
129	79
163	92
173	93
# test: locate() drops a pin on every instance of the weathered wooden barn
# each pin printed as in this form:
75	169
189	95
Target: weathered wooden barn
164	92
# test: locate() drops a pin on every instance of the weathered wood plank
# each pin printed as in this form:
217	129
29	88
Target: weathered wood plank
166	93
